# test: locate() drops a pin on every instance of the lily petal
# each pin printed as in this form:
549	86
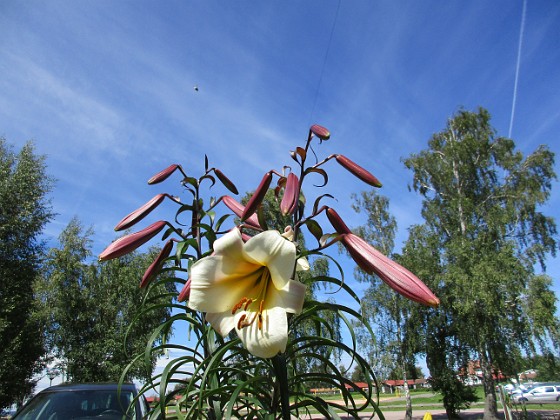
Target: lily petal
271	250
269	340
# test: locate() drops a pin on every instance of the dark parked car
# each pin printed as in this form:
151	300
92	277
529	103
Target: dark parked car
100	401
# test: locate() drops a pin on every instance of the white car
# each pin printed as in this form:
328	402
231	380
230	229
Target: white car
539	394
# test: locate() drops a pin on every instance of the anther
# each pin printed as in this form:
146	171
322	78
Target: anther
240	323
238	305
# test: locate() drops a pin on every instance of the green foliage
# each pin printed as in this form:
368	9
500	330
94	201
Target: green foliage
24	212
482	236
547	366
389	312
93	312
216	377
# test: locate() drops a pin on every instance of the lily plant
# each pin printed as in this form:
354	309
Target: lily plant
260	340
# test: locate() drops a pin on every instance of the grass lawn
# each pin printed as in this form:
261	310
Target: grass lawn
425	399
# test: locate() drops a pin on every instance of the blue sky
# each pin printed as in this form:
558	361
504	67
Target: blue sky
105	90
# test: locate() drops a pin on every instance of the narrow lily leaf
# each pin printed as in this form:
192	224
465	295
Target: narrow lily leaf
257	197
155	266
138	214
163	175
301	151
226	181
291	194
320	132
316	209
260	217
194	182
314	228
337	222
210	177
129	243
320	172
358	171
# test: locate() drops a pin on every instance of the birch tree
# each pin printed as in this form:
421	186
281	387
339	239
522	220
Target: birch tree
487	236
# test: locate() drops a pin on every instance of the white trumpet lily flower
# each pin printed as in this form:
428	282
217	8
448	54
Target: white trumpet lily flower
249	287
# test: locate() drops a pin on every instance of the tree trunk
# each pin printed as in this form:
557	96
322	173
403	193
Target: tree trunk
490	403
408	414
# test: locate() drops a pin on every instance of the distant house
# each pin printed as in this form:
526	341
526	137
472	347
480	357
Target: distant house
391	385
528	376
359	386
472	374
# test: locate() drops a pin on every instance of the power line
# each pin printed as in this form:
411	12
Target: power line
324	62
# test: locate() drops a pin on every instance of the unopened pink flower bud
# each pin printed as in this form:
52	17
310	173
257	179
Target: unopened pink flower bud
140	213
257	197
237	208
129	243
393	274
291	195
163	175
320	132
337	222
358	171
185	292
155	266
226	181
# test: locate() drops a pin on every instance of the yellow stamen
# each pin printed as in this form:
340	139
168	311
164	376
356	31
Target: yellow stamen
249	301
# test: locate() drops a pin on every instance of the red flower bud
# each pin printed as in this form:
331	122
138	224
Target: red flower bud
185	292
238	208
393	274
291	195
245	237
129	243
257	197
358	171
336	221
163	175
226	181
156	264
320	132
140	213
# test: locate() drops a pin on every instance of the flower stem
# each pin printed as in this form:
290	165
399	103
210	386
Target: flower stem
281	370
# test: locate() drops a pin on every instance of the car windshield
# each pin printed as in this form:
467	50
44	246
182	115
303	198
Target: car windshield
78	404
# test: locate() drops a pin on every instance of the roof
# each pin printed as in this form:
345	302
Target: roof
400	382
68	386
361	385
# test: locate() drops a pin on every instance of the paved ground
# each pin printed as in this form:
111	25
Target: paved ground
472	414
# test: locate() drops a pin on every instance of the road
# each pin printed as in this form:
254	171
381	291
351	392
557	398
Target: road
471	414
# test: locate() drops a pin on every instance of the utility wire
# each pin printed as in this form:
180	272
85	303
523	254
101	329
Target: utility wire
324	63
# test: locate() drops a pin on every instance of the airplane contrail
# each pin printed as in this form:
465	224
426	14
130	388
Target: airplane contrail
521	30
